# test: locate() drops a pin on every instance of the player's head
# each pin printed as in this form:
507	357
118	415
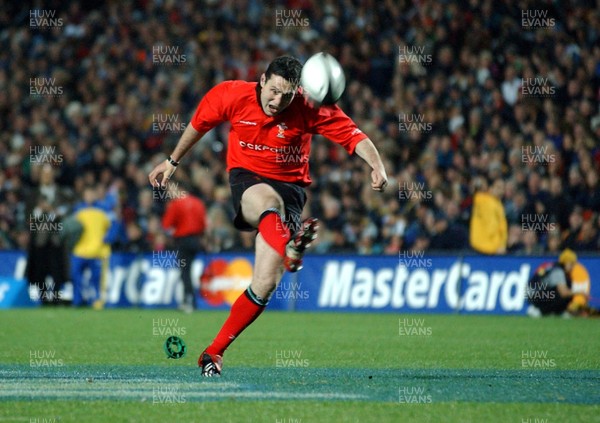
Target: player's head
279	84
567	259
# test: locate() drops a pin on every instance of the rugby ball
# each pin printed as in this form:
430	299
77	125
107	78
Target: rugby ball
323	79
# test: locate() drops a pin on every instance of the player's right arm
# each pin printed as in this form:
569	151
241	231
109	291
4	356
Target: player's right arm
211	111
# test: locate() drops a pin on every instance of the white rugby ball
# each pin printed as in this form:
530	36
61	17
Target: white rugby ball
323	79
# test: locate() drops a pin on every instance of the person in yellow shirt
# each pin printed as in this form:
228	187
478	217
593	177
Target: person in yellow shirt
91	248
489	228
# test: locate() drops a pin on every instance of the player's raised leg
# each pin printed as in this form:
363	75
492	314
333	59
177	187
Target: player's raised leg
266	211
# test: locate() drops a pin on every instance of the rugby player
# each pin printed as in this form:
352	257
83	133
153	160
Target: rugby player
267	159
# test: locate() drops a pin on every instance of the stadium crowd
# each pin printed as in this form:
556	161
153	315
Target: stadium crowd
455	95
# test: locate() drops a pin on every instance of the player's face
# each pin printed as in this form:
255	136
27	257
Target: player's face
276	94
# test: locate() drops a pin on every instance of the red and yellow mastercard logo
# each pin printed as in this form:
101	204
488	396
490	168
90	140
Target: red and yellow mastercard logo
223	281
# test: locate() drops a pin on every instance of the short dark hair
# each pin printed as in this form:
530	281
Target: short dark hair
288	67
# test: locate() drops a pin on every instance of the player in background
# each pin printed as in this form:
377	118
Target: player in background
185	221
550	289
91	248
267	159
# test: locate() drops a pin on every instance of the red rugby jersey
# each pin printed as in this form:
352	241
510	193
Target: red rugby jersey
275	147
186	215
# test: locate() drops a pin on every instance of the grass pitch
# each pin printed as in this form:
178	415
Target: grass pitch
82	365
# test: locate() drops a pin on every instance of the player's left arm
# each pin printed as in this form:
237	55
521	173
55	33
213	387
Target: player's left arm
334	124
368	152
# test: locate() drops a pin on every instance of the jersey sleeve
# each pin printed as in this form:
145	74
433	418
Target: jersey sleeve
334	124
212	109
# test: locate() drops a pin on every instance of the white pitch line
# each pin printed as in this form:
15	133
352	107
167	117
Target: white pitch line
148	389
157	390
142	394
60	383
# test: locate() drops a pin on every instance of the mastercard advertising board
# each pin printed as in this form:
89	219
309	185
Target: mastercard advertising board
430	284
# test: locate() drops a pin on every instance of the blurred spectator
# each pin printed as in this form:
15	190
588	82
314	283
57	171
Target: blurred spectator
515	239
448	232
185	221
59	197
553	242
489	231
90	251
530	244
46	253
